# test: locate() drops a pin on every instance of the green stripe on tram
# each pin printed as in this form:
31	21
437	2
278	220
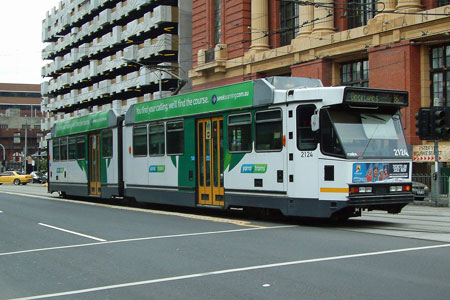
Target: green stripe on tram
218	99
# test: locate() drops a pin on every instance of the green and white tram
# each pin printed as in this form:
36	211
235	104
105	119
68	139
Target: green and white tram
85	157
277	143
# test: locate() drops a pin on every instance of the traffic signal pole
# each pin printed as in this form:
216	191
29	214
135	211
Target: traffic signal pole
434	124
436	194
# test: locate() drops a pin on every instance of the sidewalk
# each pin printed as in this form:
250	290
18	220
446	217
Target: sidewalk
442	202
29	189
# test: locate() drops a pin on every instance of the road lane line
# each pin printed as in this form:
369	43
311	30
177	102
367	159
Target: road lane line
228	271
143	239
73	232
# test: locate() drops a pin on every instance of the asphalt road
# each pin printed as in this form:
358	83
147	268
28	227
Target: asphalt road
56	248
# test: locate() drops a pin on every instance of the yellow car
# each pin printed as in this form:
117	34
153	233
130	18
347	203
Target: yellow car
15	177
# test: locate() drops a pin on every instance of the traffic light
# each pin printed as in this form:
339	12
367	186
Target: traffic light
438	125
423	124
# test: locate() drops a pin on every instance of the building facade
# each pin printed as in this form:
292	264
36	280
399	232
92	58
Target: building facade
110	54
397	44
20	125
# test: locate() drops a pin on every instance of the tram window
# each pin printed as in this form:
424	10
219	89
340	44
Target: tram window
175	138
156	139
140	141
306	139
72	148
107	143
330	143
269	130
81	149
56	155
63	149
240	133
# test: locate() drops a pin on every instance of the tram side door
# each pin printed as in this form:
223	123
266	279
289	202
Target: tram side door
94	165
210	161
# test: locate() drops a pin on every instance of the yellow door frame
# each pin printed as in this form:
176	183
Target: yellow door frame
210	161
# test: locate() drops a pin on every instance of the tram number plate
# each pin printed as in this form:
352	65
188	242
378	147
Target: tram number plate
306	154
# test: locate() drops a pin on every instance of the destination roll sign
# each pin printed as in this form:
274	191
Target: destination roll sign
374	97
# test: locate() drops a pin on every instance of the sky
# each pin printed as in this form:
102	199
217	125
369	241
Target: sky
21	40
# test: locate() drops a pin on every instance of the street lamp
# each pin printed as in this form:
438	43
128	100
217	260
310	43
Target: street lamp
181	81
4	158
25	148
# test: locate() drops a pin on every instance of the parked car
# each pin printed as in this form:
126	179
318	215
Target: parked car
420	190
37	176
15	177
44	177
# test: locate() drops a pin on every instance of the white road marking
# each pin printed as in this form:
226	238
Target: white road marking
73	232
141	239
236	270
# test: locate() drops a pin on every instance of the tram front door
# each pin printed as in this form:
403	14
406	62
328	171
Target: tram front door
210	161
94	165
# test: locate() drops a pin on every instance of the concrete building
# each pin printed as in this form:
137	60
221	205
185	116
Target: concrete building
397	44
112	53
20	121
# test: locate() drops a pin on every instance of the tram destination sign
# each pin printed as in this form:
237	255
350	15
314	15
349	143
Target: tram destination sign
375	97
211	100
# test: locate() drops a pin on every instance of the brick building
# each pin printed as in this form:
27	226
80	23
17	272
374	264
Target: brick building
398	44
20	117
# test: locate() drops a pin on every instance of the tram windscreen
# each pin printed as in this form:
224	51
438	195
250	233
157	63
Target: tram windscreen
368	134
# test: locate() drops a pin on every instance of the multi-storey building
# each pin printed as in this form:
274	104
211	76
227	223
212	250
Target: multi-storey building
394	44
112	53
20	124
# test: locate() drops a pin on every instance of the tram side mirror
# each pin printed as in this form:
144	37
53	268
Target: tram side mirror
315	121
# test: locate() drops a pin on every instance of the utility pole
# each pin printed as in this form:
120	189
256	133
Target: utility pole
4	158
437	174
25	148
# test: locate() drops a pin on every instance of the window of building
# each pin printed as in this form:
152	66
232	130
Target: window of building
268	130
3	126
443	2
359	12
306	139
240	133
17	138
289	22
355	73
140	141
107	143
156	139
440	73
175	138
217	22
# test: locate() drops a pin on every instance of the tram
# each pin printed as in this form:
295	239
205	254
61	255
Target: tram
280	143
